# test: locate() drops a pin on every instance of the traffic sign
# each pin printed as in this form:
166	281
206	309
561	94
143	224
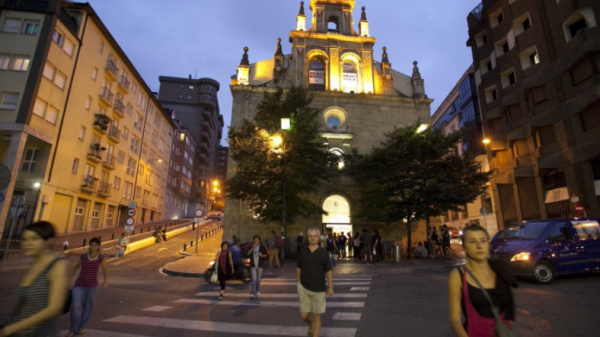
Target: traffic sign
132	205
131	212
197	219
198	213
130	221
579	208
128	229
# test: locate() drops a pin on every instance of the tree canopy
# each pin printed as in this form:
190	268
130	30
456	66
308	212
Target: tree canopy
267	157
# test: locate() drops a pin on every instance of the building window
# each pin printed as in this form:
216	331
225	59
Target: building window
82	133
121	157
582	19
116	183
29	160
332	25
316	75
39	107
502	157
537	96
486	65
88	103
497	125
69	47
545	135
58	37
9	101
191	87
11	26
101	47
125	133
350	77
94	73
590	117
4	61
75	165
583	70
189	97
520	148
508	78
491	94
60	80
529	57
52	114
514	112
496	18
49	71
131	165
521	24
502	47
20	63
180	96
135	143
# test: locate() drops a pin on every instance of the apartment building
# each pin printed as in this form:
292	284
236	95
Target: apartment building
84	124
196	105
460	111
180	178
536	70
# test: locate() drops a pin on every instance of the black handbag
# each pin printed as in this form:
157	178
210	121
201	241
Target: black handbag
502	330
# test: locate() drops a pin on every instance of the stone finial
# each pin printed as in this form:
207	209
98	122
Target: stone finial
363	16
301	8
245	60
416	74
384	57
279	50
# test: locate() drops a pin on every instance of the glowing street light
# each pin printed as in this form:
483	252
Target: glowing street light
37	185
422	128
285	124
276	141
486	141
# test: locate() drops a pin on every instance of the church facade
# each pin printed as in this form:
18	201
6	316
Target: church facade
361	99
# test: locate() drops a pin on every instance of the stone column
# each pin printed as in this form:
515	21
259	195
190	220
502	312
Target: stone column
14	156
335	77
367	57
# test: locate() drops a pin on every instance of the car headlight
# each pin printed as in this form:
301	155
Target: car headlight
521	257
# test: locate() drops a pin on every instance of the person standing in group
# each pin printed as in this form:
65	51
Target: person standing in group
377	246
470	288
343	244
350	244
274	244
445	241
357	247
86	287
259	253
40	296
331	248
312	267
224	267
122	244
435	243
299	243
338	245
367	241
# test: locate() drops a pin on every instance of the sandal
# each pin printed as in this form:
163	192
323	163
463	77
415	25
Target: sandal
81	332
70	334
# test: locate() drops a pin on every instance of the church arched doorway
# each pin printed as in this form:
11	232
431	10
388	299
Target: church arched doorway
337	219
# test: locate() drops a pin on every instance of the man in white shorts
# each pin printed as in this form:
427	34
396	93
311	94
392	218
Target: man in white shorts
313	265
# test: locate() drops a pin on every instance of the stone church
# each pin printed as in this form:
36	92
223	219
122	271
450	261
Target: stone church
361	98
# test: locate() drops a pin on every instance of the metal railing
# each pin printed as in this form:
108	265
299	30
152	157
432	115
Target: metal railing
110	160
106	94
89	182
119	106
111	67
114	132
124	82
105	188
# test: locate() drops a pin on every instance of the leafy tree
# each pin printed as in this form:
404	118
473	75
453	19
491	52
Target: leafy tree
266	165
415	175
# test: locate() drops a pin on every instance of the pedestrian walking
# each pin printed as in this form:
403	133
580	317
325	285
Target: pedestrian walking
299	243
158	235
65	245
367	241
435	243
40	297
377	246
224	267
312	267
349	243
445	241
330	247
86	287
357	242
260	254
338	245
274	244
343	244
481	290
122	244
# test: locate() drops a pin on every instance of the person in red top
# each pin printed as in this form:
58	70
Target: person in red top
224	266
86	285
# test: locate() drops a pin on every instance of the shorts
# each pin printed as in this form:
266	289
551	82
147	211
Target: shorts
311	301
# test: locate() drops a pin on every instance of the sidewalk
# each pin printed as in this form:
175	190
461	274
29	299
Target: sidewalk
195	266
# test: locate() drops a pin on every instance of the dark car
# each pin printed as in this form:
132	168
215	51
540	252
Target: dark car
218	217
543	249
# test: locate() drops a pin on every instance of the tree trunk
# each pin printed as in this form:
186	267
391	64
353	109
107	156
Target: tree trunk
409	239
429	244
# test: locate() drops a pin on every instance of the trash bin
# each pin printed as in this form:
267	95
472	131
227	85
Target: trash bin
397	252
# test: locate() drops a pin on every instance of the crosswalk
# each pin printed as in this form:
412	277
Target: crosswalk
278	298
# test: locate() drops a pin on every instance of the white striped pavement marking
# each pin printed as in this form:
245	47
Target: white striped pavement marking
359	289
258	303
158	308
289	283
347	316
273	295
101	333
252	329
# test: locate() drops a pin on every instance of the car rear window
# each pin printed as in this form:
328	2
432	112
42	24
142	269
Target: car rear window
587	229
523	231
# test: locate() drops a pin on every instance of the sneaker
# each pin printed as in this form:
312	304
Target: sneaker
251	296
220	297
258	293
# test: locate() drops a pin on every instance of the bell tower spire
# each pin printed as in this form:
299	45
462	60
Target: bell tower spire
243	73
363	29
301	19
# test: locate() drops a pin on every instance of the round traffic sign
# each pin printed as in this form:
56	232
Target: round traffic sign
128	229
198	213
130	221
131	212
579	208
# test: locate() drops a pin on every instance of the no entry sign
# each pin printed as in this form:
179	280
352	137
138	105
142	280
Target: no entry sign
579	208
131	212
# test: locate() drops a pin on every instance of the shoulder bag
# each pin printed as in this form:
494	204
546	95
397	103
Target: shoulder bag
215	276
502	330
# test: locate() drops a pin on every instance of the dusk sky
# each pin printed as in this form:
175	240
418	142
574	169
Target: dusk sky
206	38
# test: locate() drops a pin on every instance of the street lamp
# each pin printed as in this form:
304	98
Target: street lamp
486	141
422	128
36	186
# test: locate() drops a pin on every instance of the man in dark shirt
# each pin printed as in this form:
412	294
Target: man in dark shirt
313	265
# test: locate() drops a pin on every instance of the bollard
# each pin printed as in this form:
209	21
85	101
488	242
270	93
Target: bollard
100	238
113	236
397	252
184	247
132	232
191	243
84	242
141	230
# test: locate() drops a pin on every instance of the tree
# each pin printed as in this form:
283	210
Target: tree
273	164
414	175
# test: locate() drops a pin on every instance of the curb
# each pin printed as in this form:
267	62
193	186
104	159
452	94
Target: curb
200	239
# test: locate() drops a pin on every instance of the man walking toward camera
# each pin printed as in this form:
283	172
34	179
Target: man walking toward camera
313	265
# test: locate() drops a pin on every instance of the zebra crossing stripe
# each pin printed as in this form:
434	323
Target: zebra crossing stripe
293	283
157	308
100	333
359	289
277	295
252	329
257	303
347	316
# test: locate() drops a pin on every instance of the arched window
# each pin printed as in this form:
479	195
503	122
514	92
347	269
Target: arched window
333	25
338	152
350	77
316	74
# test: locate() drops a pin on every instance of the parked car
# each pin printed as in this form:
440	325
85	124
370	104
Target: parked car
455	234
543	249
215	216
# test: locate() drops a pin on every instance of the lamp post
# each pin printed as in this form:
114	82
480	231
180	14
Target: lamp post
278	144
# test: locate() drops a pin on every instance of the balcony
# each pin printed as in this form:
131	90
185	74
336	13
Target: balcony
205	136
90	184
95	153
109	162
204	148
203	158
476	16
106	97
111	70
101	126
124	84
119	107
105	189
114	134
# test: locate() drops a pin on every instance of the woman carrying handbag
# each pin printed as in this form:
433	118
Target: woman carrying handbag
481	290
